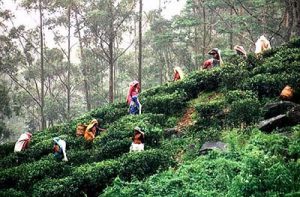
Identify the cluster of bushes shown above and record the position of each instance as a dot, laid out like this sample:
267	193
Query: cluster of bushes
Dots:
277	71
91	179
237	107
257	164
262	166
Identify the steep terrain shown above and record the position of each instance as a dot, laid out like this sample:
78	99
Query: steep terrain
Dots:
221	104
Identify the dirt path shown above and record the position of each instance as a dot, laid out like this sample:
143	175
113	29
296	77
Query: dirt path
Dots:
186	120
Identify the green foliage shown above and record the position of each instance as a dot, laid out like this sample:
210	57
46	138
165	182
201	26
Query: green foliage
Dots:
143	164
255	164
165	103
233	74
92	178
262	175
244	111
275	73
26	174
200	177
258	166
12	193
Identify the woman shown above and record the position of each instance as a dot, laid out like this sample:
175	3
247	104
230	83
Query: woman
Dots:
90	131
137	140
135	106
216	59
178	74
262	44
23	142
240	51
59	149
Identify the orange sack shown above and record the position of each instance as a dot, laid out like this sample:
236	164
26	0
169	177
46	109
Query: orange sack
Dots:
287	93
89	136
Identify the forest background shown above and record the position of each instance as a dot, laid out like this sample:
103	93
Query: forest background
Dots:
115	42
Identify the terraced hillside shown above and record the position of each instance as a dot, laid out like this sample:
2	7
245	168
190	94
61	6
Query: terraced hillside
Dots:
223	104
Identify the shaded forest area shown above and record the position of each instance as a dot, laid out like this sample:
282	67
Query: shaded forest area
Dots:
41	86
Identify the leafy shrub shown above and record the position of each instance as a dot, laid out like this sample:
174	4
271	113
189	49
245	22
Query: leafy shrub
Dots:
90	179
197	178
233	74
244	111
164	103
262	175
113	149
12	193
26	174
48	187
275	144
278	71
294	146
6	149
144	121
110	113
210	114
143	164
236	95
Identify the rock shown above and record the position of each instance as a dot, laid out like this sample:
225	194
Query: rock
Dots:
275	109
169	132
273	123
208	146
294	115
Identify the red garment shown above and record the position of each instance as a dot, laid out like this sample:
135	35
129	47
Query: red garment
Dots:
208	64
176	76
133	91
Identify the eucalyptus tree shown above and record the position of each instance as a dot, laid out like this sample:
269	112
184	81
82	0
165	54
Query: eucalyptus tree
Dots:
106	20
59	22
39	5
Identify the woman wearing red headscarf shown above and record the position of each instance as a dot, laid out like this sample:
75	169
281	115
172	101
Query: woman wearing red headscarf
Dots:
216	59
135	106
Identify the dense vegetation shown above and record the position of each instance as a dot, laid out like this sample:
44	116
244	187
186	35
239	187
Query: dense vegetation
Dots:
228	103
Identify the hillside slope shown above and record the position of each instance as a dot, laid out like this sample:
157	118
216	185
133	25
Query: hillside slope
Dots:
227	104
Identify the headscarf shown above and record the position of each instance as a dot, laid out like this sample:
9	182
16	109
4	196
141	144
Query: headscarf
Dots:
218	51
62	144
262	44
130	90
22	142
180	72
240	49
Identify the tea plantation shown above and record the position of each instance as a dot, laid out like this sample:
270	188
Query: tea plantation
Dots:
228	105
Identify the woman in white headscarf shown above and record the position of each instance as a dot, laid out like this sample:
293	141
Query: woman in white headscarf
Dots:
262	44
23	142
59	149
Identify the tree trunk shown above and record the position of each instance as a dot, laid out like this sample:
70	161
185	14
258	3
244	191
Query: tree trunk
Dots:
196	42
43	122
231	29
167	65
111	55
140	43
69	66
204	33
83	64
161	73
289	19
297	17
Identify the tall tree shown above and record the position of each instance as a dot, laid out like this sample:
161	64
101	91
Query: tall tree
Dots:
106	20
140	43
42	94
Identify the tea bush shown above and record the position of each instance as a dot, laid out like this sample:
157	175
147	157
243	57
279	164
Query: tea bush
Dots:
92	178
165	103
26	174
255	164
12	193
